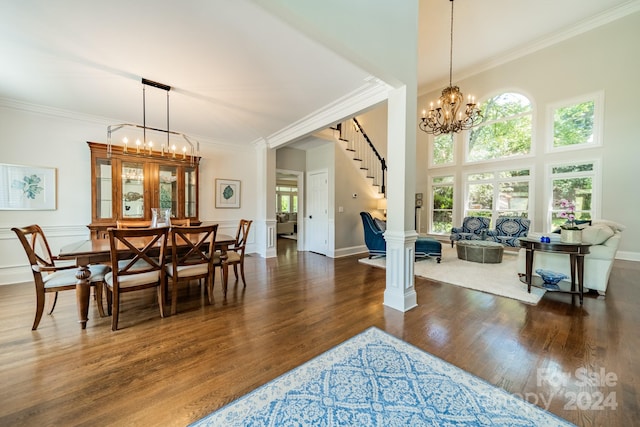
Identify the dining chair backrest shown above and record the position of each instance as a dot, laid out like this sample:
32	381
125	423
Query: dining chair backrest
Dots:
183	222
36	246
130	223
145	250
241	235
192	246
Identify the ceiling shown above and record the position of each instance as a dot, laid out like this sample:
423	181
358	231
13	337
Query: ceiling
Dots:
238	73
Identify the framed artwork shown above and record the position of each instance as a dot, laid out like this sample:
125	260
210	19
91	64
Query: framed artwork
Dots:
227	193
27	188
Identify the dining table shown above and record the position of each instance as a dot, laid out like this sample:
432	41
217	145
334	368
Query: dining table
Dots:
98	251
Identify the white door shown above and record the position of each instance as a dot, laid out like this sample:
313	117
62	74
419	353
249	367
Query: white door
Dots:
318	216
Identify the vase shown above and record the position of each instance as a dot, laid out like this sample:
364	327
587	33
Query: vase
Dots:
160	217
570	236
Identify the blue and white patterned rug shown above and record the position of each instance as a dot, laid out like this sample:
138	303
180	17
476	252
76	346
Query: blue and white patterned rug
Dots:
375	379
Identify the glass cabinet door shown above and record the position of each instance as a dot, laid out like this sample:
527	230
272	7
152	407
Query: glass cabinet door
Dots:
168	191
133	203
103	188
190	192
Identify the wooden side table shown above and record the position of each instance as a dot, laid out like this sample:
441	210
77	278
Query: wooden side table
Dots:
576	252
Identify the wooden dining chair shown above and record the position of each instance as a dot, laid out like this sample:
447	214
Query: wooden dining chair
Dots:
50	278
181	222
137	262
192	257
235	254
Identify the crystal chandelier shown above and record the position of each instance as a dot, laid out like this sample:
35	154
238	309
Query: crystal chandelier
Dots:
447	116
144	145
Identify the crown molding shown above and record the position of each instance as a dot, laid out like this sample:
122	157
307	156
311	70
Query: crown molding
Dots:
373	92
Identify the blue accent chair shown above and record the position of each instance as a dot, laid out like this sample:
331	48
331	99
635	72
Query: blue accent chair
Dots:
509	229
377	246
473	228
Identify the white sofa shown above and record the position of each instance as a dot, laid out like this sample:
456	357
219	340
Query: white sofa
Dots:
286	223
604	237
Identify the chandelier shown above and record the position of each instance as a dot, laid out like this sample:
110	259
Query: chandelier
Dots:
447	116
145	146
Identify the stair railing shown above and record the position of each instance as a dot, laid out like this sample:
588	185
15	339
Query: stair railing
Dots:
358	142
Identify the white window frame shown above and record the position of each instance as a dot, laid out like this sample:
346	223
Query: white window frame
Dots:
496	181
532	147
598	119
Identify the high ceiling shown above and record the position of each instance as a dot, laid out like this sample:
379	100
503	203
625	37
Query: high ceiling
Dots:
238	72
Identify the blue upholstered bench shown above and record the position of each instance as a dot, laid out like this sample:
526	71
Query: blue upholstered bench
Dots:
428	247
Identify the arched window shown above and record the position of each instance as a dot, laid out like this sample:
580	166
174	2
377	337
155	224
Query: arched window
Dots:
505	131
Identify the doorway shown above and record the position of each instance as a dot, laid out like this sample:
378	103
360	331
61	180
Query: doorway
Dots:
290	207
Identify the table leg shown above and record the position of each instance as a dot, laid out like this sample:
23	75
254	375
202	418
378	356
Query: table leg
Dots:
529	268
83	293
580	262
572	261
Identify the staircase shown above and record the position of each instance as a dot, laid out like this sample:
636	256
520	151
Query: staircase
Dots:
355	140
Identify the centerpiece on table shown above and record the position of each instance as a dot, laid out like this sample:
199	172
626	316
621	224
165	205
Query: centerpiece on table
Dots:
569	231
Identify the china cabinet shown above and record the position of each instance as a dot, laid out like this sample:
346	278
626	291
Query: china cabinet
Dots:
127	186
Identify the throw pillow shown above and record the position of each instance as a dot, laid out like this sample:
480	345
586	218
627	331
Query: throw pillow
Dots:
614	225
382	225
596	234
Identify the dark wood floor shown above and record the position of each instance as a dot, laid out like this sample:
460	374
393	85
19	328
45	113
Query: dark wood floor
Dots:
176	370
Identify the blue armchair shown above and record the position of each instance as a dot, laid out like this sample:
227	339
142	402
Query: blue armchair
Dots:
509	229
473	228
374	239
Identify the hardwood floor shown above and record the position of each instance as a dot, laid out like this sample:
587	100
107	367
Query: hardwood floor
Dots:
175	370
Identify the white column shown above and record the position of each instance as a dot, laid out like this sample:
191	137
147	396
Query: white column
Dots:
265	222
400	236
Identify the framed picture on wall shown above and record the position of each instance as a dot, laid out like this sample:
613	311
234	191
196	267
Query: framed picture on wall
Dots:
27	188
227	193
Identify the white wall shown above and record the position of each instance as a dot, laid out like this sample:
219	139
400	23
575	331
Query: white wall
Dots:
39	136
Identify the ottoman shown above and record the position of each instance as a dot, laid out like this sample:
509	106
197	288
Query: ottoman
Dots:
428	247
482	251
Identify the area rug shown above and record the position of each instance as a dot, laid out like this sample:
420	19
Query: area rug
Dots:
498	279
375	379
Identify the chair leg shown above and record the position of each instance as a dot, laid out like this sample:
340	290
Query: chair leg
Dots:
116	310
174	296
109	300
235	271
211	280
98	293
52	303
161	300
40	297
242	274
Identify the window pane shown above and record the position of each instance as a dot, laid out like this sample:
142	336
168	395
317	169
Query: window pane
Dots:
513	199
103	188
442	221
480	176
169	189
443	197
577	190
506	130
586	167
481	197
443	149
501	139
132	190
573	125
443	179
